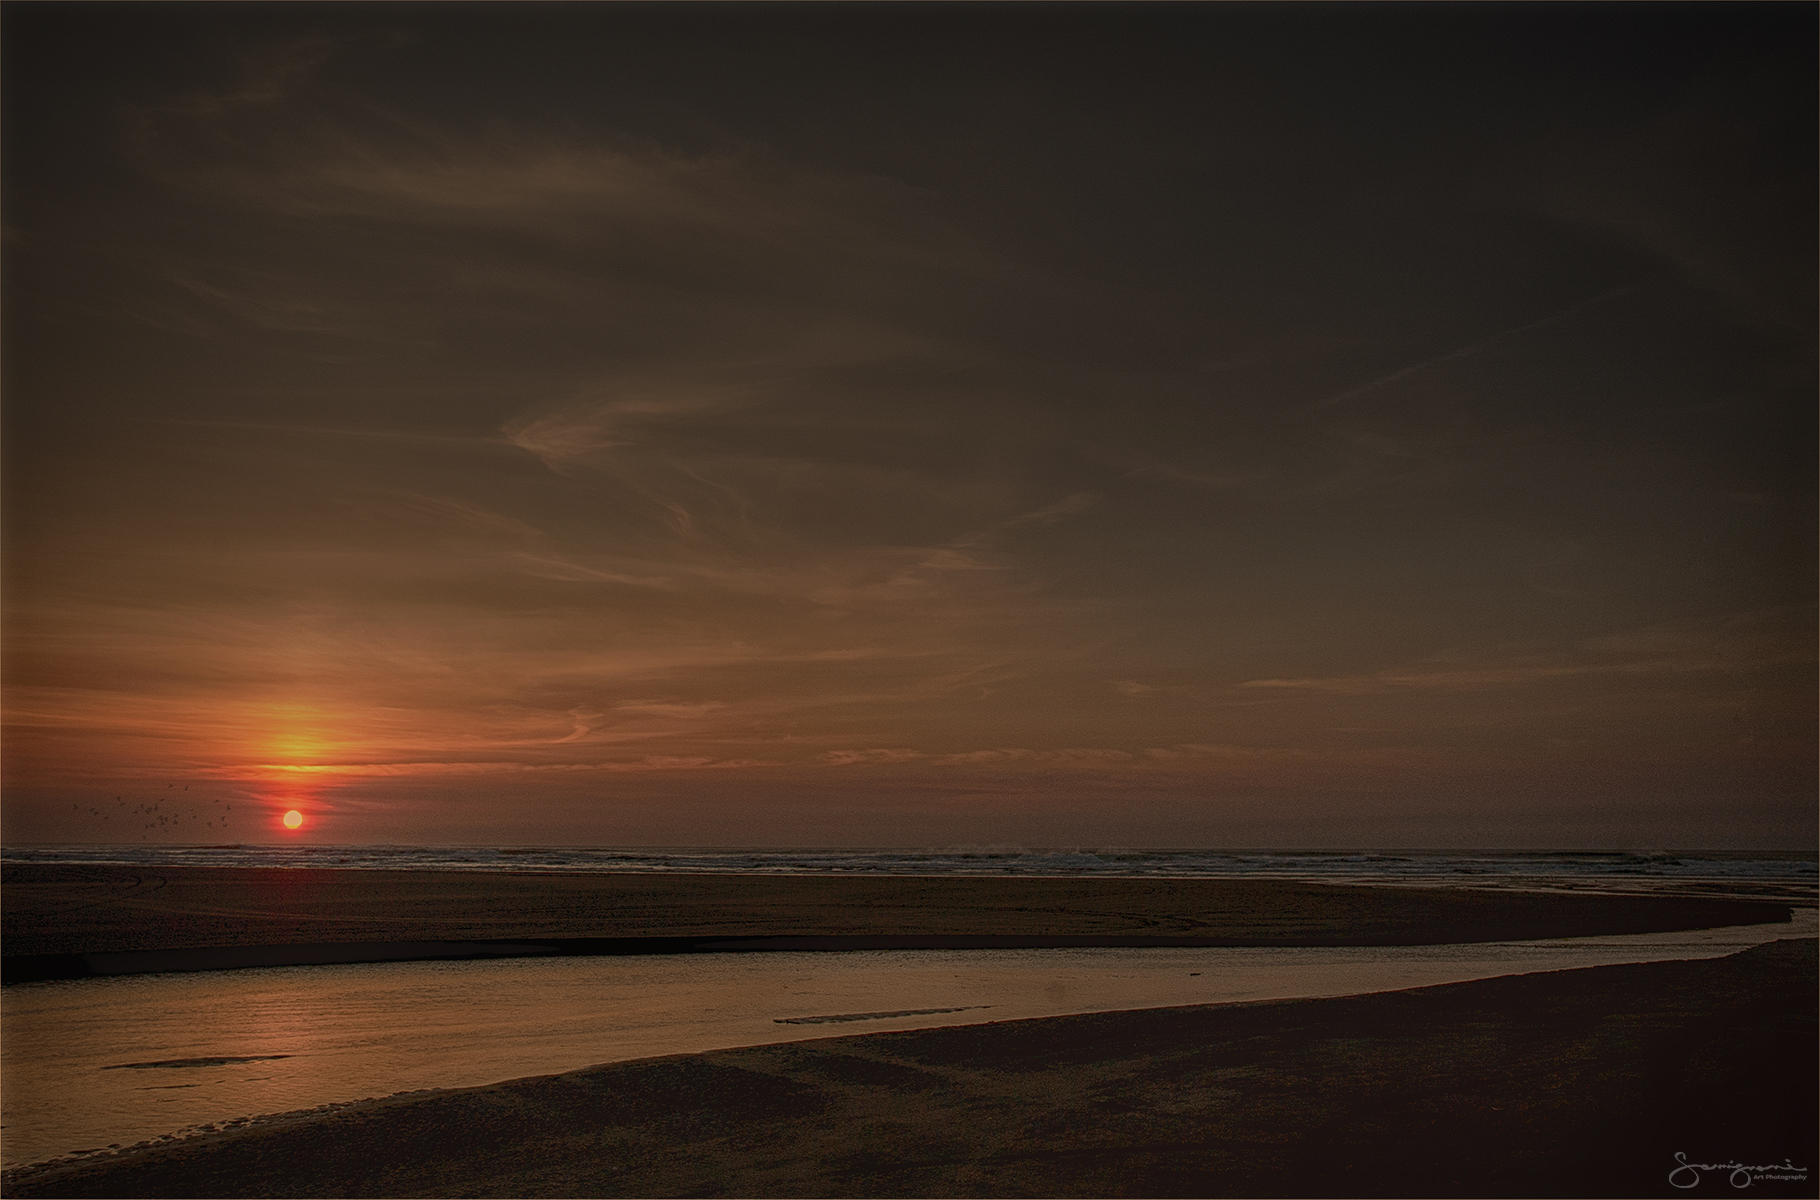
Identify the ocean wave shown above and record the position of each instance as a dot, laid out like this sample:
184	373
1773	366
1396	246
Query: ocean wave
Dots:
1362	865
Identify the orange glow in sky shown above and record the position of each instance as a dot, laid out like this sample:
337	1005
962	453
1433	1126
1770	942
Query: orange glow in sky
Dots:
1228	504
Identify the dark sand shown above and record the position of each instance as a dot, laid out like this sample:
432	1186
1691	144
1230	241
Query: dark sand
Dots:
67	921
1573	1083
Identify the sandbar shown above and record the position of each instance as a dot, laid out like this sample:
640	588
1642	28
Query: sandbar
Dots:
1587	1082
67	921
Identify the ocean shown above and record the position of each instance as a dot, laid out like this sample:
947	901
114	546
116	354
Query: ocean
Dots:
1473	867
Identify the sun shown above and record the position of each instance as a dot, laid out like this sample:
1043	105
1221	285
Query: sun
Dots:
293	819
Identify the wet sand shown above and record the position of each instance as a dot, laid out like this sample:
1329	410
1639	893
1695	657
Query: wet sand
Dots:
63	921
1575	1083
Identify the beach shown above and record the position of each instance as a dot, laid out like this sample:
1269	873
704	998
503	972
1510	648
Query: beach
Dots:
1565	1082
70	920
1577	1083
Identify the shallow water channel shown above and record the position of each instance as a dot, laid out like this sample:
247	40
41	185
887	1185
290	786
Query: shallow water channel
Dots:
89	1064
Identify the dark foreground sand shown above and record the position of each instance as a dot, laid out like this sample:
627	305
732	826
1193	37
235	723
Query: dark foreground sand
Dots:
70	921
1574	1083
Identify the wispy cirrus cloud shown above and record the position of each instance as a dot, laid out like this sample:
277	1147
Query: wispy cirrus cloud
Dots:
1734	643
1476	347
642	416
875	756
264	74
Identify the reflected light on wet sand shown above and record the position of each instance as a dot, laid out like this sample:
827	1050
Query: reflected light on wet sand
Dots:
214	1046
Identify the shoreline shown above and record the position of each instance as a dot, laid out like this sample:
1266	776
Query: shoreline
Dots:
618	1010
21	969
72	921
1577	1082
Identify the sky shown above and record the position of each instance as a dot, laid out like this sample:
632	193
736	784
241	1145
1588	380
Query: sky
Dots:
1261	425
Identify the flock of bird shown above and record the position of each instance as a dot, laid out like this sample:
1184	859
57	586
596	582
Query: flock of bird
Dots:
155	818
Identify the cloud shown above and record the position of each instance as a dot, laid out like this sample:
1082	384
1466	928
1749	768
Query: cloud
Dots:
417	438
1137	689
1443	680
1477	347
404	769
283	150
646	413
684	710
1698	190
559	438
1059	758
1205	752
473	518
969	758
1048	514
871	757
1201	480
267	74
585	722
1735	643
552	566
1784	634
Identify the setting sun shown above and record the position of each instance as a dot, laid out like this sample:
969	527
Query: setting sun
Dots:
293	819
